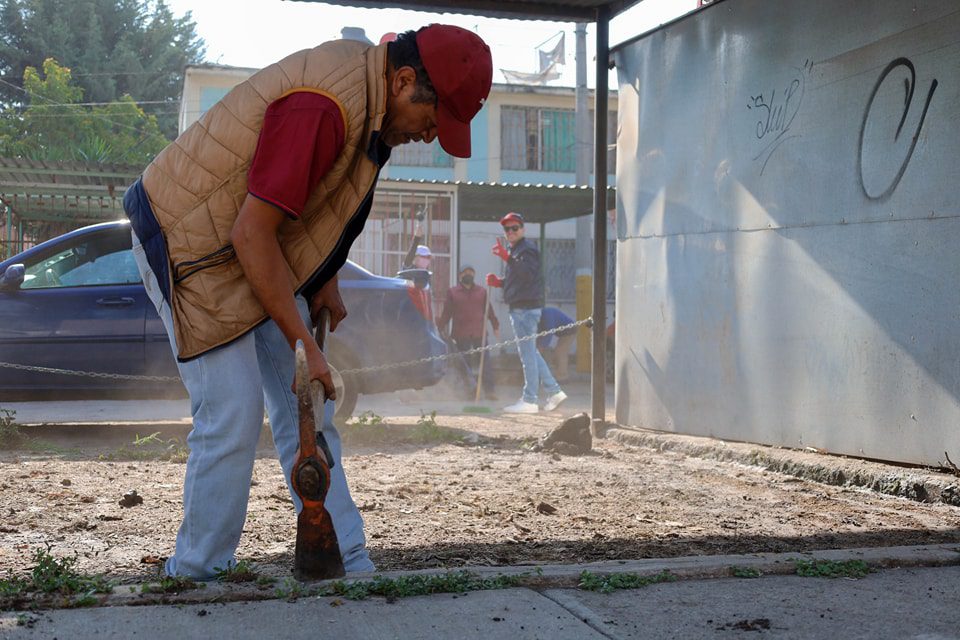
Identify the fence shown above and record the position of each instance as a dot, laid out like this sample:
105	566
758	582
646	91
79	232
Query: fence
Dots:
560	269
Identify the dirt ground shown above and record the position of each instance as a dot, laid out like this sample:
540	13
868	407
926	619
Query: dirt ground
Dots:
469	491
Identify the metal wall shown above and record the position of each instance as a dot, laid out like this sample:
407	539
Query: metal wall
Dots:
788	191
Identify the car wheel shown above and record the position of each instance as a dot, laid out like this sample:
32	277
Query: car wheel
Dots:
340	358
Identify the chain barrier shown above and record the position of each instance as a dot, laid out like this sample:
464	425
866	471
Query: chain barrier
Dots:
88	374
381	367
455	354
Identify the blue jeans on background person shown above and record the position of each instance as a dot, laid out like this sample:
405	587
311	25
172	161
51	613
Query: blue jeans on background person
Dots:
535	369
228	388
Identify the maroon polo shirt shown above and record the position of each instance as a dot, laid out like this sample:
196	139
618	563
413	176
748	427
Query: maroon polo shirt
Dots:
302	136
465	307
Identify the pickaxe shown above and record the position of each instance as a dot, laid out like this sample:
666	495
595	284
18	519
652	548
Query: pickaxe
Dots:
317	554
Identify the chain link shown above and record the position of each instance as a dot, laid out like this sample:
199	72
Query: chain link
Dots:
454	354
89	374
381	367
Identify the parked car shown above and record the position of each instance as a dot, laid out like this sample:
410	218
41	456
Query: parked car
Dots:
76	302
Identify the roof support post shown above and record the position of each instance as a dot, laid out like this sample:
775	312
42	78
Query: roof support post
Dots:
598	374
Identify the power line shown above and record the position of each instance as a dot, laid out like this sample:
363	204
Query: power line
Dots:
113	102
85	115
58	104
115	73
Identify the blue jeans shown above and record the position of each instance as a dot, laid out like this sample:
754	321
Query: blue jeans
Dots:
535	369
228	387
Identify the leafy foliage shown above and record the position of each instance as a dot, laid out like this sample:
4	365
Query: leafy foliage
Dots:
9	429
609	583
116	48
417	585
237	572
51	124
428	431
171	584
745	572
52	576
832	569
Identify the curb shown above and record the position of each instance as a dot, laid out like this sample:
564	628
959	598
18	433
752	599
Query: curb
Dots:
917	485
547	577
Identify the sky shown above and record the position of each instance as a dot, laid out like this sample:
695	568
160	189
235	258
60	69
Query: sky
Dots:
255	33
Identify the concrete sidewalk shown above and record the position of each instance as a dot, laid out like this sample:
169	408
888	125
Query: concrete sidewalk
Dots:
914	592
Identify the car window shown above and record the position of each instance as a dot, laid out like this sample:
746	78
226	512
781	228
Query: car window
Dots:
100	260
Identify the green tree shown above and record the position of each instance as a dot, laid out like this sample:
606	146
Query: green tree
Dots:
51	124
114	47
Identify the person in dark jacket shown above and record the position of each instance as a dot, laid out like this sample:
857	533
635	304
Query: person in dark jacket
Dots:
555	347
523	291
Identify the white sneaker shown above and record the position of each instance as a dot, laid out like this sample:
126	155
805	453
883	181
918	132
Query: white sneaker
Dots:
522	407
554	401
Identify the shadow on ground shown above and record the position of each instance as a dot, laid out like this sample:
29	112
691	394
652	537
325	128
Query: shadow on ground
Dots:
167	441
535	552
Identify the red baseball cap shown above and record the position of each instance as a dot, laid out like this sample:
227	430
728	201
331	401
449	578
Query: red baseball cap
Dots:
511	217
461	70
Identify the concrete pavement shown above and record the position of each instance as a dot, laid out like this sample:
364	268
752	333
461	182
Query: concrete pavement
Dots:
914	592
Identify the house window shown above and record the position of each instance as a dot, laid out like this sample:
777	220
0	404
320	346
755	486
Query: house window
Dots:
419	154
210	96
537	139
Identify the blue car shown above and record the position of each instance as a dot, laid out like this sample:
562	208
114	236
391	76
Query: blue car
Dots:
76	303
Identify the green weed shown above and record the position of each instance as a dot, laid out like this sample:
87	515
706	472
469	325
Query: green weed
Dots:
416	585
832	569
53	576
290	590
86	600
745	572
368	419
427	430
616	581
9	429
151	447
153	438
170	584
367	428
266	581
12	588
237	572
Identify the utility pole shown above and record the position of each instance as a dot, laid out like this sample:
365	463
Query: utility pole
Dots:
584	241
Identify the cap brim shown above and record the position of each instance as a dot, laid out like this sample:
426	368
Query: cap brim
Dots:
454	135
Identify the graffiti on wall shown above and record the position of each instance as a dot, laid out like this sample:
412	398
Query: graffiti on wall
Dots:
775	112
880	187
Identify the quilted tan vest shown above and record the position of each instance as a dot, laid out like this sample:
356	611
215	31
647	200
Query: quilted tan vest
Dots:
197	184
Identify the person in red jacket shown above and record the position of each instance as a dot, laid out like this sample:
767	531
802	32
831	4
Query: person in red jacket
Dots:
464	306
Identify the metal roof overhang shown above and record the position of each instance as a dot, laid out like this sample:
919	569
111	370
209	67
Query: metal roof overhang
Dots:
563	10
61	191
488	201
